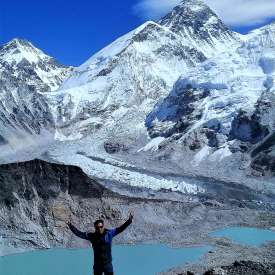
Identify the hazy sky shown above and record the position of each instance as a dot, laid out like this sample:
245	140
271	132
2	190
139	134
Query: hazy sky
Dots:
72	31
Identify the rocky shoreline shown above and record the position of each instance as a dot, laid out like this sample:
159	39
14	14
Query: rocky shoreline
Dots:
228	258
244	267
241	268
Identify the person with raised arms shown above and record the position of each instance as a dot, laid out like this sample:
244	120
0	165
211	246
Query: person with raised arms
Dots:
101	241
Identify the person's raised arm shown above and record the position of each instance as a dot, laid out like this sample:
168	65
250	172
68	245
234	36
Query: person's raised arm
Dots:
121	228
80	234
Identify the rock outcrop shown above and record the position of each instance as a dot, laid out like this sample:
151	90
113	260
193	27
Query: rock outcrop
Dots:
244	268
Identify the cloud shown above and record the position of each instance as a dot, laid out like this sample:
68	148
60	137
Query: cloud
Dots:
154	9
232	12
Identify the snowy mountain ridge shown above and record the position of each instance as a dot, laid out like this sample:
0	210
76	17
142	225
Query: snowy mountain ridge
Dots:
100	63
99	82
20	51
26	73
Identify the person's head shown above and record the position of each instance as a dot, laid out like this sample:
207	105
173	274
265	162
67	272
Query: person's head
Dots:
99	226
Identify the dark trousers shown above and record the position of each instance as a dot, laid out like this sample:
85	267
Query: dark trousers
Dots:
107	269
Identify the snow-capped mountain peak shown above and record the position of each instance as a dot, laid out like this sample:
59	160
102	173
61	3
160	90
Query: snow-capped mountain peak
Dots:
21	55
193	17
102	59
264	35
25	73
18	49
196	22
117	46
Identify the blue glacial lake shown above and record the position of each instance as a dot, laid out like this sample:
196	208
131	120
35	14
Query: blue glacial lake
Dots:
127	259
246	235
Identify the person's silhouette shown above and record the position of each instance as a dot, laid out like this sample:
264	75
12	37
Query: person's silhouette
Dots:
101	241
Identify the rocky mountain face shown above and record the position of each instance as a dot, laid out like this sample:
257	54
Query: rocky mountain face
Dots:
243	267
238	267
25	117
37	198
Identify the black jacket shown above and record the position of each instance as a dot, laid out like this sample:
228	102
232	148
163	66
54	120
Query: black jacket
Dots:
102	243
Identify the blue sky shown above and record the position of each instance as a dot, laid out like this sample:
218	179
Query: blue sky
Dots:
72	31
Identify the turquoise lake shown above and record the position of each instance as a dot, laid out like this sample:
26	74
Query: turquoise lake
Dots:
246	235
127	260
